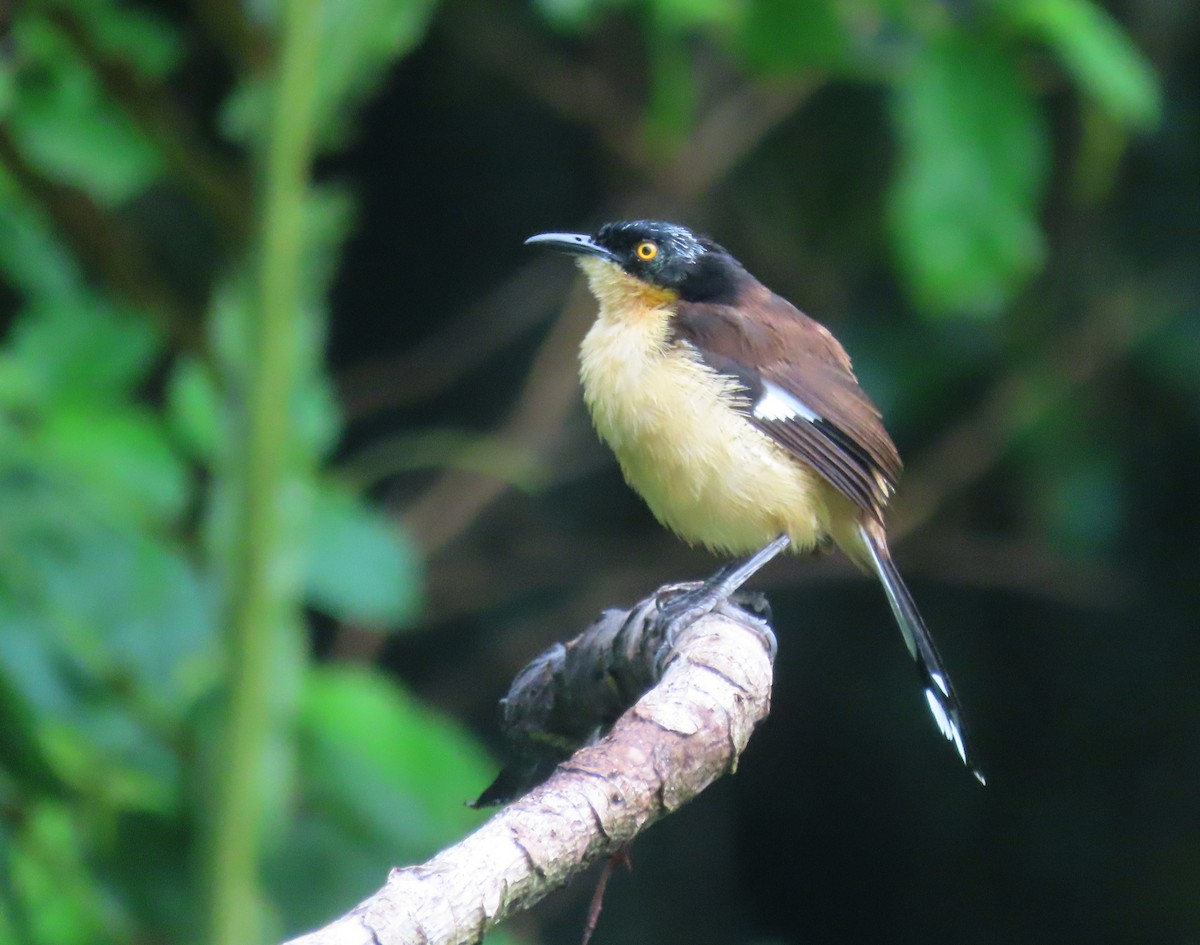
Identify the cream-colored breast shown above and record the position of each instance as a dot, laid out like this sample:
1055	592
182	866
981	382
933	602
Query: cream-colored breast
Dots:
705	472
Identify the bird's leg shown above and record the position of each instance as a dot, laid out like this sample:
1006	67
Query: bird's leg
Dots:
690	605
620	858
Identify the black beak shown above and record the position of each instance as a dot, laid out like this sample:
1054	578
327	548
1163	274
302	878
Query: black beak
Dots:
576	244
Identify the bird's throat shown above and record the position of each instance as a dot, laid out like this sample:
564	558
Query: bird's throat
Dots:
622	295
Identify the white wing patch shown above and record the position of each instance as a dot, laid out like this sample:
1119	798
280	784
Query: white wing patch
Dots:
777	404
947	725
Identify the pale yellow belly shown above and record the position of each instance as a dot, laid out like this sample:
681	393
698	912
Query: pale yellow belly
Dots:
705	472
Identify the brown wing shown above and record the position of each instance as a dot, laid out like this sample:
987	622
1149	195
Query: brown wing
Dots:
800	389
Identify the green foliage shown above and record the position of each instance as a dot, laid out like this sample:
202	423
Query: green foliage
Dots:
35	262
58	900
971	170
134	35
671	105
64	122
361	567
972	155
124	475
359	40
778	36
112	656
89	490
386	781
1098	54
568	14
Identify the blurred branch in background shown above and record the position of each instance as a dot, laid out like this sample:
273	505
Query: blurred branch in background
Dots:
1118	321
264	595
605	102
428	368
535	423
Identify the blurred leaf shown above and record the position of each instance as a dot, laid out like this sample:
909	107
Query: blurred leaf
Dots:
785	37
68	127
360	39
60	901
1098	53
147	614
8	900
423	760
971	170
194	408
122	456
329	213
671	108
113	762
21	754
672	16
134	34
149	872
83	350
362	565
109	637
18	391
384	781
571	14
677	15
7	88
33	259
90	732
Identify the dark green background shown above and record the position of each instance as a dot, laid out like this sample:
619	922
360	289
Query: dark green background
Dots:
993	205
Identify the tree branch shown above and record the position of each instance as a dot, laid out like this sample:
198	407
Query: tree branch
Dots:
678	738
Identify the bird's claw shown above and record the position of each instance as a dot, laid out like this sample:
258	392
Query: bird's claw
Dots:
754	613
670	595
681	605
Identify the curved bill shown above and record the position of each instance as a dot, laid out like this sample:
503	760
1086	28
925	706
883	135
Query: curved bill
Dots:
576	244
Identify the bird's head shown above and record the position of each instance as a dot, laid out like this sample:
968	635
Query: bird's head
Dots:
662	257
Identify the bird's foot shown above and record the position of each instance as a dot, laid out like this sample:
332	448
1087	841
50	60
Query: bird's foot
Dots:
681	605
753	605
694	601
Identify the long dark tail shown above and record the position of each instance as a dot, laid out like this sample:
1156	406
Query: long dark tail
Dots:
939	692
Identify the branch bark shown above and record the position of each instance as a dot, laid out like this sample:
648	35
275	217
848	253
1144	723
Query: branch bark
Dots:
679	737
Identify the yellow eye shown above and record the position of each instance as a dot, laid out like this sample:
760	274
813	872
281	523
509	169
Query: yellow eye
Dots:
646	251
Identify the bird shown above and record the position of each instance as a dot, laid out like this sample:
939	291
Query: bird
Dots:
740	422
